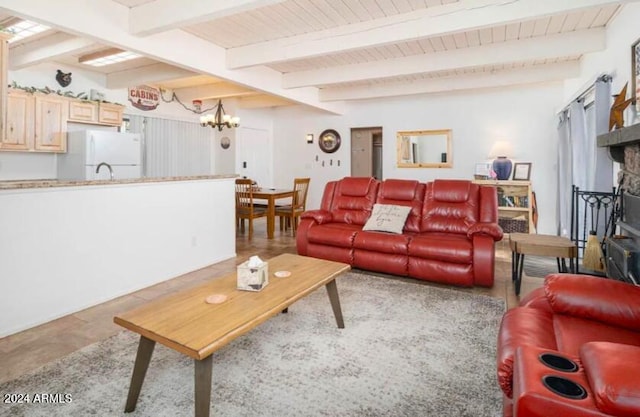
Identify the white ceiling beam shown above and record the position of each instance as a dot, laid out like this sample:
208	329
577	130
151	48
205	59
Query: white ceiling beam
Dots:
531	75
107	22
49	48
161	15
457	17
261	101
212	91
549	47
154	73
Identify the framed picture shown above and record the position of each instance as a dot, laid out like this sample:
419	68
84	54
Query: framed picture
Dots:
521	171
482	171
635	74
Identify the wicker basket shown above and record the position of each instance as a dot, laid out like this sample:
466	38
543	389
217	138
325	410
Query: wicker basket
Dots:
513	225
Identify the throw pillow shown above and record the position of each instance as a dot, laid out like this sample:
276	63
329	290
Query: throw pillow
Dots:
387	218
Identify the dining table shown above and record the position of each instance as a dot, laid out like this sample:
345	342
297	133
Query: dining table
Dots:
271	195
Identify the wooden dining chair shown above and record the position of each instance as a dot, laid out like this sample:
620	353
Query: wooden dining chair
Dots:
290	213
245	209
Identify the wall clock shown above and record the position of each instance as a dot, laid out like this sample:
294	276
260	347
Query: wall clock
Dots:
225	142
329	141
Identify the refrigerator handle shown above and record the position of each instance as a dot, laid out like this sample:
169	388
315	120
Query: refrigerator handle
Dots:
92	150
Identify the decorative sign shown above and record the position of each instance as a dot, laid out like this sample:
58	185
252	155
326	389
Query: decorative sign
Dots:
144	97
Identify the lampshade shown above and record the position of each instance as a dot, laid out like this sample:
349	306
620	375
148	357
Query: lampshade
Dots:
501	148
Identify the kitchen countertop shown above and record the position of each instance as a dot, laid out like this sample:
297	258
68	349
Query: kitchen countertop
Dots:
50	183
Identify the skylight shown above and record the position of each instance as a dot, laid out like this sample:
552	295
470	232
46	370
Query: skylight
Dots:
111	59
24	29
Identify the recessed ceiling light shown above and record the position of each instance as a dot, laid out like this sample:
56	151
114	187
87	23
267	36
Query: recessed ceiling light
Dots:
24	29
108	57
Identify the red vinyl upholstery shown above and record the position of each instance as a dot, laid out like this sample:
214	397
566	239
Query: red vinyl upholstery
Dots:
595	321
448	237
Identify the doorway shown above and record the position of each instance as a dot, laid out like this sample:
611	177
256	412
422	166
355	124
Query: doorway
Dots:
366	152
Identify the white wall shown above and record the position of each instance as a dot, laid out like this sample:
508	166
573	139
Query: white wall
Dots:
67	248
525	116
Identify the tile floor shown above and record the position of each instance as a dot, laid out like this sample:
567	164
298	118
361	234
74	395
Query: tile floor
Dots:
32	348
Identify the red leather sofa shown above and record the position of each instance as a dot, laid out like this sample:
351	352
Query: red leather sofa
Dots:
591	321
448	237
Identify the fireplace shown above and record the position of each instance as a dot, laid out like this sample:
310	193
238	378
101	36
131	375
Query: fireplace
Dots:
623	249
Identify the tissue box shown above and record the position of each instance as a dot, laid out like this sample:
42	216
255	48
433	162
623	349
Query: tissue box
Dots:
252	278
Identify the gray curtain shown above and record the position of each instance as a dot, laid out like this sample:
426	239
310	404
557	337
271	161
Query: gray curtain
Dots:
565	176
580	161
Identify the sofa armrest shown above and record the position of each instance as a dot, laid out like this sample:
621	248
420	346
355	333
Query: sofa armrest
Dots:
491	229
594	298
615	386
319	216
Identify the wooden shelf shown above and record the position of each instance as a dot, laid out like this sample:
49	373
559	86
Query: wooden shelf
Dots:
515	200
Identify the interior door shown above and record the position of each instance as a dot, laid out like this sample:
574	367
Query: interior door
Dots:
366	152
253	155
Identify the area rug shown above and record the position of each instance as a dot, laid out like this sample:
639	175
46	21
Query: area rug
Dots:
539	266
408	350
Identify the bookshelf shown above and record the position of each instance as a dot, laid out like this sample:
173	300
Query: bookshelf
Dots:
515	205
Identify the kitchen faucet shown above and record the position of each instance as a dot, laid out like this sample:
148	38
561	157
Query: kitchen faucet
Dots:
107	165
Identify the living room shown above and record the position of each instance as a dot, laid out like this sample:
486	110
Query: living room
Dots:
523	112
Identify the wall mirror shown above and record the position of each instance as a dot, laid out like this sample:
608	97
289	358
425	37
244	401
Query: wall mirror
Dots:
424	149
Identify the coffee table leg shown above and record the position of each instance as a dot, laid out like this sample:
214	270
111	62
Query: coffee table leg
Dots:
143	357
520	267
332	290
203	386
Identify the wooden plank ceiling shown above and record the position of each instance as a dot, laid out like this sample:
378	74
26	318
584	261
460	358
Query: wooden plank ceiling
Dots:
324	52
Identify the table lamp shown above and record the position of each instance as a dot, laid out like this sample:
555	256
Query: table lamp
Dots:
502	165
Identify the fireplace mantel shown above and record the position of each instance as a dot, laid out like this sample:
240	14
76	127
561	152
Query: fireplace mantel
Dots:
618	139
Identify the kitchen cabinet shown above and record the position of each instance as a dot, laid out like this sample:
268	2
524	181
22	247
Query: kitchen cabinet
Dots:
96	113
35	122
51	123
515	205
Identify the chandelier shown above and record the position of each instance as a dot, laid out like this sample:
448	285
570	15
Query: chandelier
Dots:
220	119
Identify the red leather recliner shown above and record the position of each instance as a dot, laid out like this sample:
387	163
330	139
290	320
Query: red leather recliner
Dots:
591	321
448	237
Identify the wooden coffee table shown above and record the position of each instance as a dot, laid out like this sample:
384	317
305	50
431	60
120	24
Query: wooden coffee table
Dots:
187	324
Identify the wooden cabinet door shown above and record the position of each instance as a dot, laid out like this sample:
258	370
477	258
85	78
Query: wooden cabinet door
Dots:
83	111
110	114
19	123
51	124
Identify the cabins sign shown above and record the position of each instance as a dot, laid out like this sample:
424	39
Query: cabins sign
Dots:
144	97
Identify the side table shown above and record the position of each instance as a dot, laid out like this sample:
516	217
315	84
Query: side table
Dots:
522	244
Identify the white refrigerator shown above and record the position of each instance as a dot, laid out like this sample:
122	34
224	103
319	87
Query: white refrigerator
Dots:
86	149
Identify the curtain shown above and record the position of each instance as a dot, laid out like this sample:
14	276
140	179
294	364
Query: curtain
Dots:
580	161
565	176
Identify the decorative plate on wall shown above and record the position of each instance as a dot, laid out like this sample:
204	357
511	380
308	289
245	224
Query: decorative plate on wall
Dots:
225	142
329	141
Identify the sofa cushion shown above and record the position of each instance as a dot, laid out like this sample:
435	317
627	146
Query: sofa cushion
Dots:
405	193
616	388
333	234
444	247
452	210
382	242
451	191
387	218
353	200
573	332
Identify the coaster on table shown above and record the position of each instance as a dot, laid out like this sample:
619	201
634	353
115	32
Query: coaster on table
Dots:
282	274
216	299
